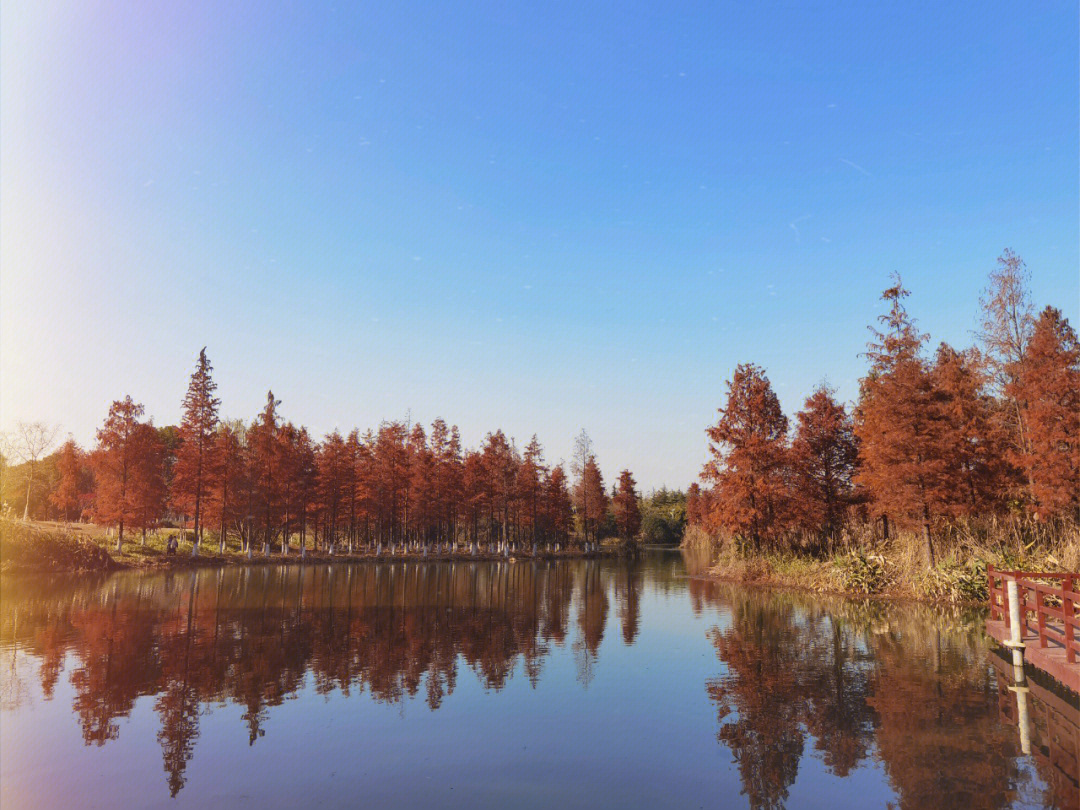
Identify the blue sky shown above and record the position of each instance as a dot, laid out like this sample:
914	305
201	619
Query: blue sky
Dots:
533	218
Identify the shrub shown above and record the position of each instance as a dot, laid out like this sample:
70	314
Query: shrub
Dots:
861	572
954	582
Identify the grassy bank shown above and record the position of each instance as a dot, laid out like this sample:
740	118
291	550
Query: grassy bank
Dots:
894	568
49	546
27	547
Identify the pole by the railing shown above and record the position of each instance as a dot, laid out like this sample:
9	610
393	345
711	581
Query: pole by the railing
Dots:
1015	642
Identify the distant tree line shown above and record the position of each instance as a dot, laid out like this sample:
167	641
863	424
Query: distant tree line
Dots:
269	484
991	431
663	517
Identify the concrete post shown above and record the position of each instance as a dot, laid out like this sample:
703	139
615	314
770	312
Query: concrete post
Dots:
1015	627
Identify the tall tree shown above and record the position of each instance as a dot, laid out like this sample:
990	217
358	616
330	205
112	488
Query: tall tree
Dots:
583	450
116	463
227	471
475	494
391	477
1047	385
625	505
332	464
748	445
499	469
200	418
973	443
900	426
697	507
592	500
530	486
307	482
66	496
265	459
147	489
558	507
421	484
823	456
447	495
291	471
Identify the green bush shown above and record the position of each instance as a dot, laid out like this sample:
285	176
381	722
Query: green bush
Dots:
954	582
862	573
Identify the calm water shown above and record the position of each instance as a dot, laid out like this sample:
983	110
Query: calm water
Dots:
552	684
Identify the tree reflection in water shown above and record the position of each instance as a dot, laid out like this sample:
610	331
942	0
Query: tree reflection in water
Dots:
252	636
905	685
909	692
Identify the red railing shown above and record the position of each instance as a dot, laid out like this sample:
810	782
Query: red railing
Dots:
1048	610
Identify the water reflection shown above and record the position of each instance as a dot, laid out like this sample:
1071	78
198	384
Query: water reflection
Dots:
906	685
1047	726
251	636
908	701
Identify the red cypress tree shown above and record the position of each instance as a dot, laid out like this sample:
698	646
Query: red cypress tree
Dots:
147	486
67	497
590	499
696	506
530	482
307	482
973	443
447	493
200	418
626	508
392	479
474	490
558	508
331	463
264	453
900	425
366	486
291	459
823	456
228	474
1046	384
116	464
748	445
421	484
499	469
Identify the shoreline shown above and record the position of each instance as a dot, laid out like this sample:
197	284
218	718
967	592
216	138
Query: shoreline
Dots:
37	551
880	596
182	561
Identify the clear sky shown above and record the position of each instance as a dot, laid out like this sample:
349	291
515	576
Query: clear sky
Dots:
539	217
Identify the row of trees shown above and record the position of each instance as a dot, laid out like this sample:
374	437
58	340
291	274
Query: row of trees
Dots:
991	430
400	486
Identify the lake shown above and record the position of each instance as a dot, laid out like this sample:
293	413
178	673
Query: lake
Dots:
560	683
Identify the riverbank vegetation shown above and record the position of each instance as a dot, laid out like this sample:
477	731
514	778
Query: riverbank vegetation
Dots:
947	462
29	547
267	485
663	517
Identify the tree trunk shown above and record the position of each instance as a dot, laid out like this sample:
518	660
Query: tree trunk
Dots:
29	483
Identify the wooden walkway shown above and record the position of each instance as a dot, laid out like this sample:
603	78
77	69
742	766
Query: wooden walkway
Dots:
1049	610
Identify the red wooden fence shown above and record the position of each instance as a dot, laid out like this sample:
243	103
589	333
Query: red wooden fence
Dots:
1048	610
